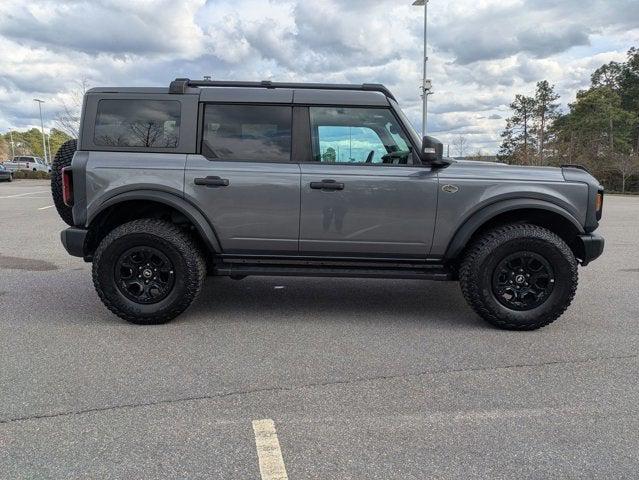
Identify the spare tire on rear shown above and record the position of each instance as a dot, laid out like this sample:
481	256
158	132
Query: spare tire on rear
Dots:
61	160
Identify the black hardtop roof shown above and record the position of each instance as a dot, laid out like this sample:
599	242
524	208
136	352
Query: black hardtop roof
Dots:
182	85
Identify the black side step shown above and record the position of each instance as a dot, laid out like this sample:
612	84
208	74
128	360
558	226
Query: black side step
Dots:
434	272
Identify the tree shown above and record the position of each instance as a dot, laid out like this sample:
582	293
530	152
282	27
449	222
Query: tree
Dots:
626	165
546	112
329	156
518	143
68	120
460	143
29	142
597	131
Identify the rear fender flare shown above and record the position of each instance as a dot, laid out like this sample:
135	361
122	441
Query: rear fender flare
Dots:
199	221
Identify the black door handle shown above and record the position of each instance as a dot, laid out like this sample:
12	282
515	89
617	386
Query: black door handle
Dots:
327	185
212	182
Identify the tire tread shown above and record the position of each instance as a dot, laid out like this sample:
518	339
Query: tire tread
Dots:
484	246
183	242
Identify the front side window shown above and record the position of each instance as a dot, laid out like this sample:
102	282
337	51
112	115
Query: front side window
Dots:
249	133
358	136
137	123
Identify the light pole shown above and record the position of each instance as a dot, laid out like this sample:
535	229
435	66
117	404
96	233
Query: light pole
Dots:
49	146
13	148
426	83
44	142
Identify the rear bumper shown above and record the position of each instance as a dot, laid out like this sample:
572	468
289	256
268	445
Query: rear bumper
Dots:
592	247
73	240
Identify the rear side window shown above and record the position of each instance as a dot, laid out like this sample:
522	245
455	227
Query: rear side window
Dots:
253	133
137	123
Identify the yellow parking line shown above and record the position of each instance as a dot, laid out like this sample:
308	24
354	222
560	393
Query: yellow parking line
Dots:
268	450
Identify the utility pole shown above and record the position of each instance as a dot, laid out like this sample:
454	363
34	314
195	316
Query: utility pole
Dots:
44	142
426	83
13	148
49	146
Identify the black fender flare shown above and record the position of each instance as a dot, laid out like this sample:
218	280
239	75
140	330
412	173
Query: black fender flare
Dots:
487	213
197	218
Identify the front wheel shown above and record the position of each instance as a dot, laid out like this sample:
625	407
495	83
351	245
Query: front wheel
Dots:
148	271
519	277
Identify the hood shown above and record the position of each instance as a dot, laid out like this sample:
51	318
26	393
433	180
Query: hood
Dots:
500	171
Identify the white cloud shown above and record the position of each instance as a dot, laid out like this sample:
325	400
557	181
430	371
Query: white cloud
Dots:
482	51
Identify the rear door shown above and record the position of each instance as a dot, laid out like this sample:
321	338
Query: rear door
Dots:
364	191
244	181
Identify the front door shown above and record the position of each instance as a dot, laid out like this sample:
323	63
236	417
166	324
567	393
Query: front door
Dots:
365	193
244	181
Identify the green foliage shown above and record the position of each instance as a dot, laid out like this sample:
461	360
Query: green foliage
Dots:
600	129
518	140
29	142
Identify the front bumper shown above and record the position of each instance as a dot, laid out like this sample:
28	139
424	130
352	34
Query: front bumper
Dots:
592	246
73	240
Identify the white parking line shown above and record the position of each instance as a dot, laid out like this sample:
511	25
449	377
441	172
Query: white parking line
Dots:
268	450
47	207
24	194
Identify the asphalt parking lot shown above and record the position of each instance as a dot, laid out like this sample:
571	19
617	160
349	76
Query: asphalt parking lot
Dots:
362	379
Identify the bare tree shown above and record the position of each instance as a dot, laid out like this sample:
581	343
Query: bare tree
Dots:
460	143
626	166
69	119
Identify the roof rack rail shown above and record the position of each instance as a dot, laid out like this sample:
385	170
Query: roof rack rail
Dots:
180	85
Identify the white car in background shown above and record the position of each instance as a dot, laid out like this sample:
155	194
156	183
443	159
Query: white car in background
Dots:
24	162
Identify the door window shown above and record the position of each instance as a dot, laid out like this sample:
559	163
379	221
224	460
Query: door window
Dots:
358	136
249	133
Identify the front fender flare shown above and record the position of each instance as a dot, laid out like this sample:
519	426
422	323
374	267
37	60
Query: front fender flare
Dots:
196	217
487	213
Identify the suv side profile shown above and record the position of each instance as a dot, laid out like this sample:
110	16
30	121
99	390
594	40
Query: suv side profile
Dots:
168	185
35	164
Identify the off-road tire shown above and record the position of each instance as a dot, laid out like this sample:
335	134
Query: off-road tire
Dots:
62	159
483	256
178	246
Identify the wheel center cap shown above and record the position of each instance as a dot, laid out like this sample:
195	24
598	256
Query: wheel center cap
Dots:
147	273
520	279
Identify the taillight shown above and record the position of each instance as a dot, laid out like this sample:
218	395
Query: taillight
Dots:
67	186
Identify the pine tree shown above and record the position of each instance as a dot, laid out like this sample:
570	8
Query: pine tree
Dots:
546	112
518	142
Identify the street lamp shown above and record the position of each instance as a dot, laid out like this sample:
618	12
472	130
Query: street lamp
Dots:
44	143
426	83
13	148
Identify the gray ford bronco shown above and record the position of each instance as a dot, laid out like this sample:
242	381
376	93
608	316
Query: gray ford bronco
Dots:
168	185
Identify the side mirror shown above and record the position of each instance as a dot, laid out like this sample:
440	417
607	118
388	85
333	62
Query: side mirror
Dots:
433	152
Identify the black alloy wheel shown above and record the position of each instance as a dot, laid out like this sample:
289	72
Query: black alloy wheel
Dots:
144	275
523	281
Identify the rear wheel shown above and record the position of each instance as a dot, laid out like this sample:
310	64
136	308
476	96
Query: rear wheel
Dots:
62	159
519	277
148	271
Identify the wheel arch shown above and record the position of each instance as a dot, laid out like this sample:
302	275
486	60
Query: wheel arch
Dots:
538	212
148	203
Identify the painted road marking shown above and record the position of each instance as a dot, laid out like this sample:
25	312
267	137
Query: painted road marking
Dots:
44	208
268	450
24	194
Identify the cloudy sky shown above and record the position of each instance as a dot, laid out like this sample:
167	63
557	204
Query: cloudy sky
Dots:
482	52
